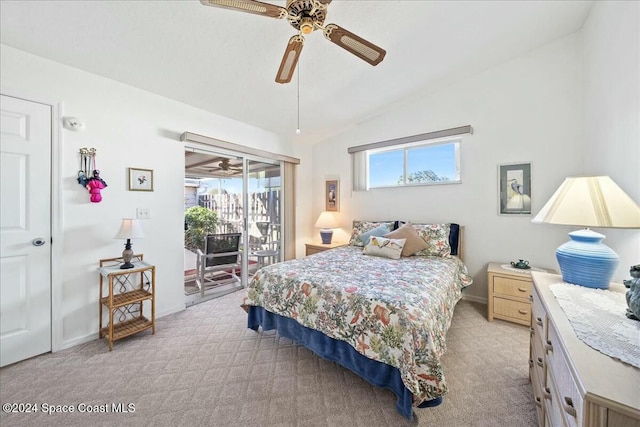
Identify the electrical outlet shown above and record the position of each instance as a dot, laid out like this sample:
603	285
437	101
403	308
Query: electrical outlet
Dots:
143	213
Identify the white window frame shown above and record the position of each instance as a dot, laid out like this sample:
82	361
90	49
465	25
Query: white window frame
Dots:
414	145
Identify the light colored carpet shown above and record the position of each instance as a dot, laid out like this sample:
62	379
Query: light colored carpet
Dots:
204	367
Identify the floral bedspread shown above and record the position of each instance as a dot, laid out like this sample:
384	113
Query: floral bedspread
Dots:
393	311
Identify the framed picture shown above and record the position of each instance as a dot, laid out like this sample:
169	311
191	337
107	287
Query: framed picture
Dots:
514	183
332	198
140	179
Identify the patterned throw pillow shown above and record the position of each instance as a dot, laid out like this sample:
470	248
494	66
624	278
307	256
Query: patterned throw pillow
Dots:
379	231
414	242
360	227
383	247
437	237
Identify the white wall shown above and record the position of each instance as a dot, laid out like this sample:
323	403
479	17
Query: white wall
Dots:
612	110
571	107
525	110
129	128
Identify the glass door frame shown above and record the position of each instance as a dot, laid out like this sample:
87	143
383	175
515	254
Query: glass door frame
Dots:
246	162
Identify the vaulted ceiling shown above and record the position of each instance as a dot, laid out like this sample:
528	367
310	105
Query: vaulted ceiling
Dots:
225	61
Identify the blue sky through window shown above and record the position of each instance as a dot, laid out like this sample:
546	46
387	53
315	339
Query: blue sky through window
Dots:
385	168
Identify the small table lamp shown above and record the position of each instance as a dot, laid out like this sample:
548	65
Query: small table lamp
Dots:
129	229
326	222
593	201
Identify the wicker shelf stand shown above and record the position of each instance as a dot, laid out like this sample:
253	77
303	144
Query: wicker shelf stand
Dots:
128	296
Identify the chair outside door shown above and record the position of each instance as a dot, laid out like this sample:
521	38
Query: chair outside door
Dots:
219	263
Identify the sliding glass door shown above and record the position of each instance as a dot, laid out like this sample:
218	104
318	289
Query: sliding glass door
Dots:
263	198
245	194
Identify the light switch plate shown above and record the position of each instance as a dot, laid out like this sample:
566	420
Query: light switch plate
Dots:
143	213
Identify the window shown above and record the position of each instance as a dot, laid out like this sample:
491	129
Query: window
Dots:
414	164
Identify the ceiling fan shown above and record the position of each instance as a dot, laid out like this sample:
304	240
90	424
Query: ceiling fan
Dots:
225	168
305	16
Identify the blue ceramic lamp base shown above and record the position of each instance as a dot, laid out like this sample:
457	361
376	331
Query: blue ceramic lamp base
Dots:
586	261
326	235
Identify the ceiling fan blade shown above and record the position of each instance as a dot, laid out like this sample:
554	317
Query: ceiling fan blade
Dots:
360	47
290	59
249	6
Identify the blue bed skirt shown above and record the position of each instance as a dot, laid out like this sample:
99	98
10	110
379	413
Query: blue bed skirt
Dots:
376	373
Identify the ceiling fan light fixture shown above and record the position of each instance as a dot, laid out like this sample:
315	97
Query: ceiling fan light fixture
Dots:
306	25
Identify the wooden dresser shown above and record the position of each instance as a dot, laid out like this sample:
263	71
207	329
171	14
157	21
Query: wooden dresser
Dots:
574	384
508	294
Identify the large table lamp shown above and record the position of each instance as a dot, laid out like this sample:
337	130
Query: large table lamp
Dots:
326	222
593	201
129	229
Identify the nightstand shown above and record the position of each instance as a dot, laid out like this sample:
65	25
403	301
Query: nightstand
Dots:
508	293
314	248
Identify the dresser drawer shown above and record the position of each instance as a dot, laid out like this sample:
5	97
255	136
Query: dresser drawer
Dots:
537	392
570	400
511	287
538	317
510	308
552	407
538	360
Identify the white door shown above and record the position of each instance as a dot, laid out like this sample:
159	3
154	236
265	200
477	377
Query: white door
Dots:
25	227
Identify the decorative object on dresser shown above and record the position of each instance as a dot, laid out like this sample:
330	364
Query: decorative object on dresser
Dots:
633	294
574	384
129	229
314	248
124	294
508	290
592	201
326	222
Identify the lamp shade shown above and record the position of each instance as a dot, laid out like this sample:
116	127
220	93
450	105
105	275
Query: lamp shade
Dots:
594	201
130	229
590	201
326	220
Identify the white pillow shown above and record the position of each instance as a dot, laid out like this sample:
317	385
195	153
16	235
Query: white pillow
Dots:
383	247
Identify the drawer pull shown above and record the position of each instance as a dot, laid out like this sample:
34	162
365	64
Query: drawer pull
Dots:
546	392
568	406
531	363
531	298
539	361
522	289
538	321
538	402
532	331
521	311
548	346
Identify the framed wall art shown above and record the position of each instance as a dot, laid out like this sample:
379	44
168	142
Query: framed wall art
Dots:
332	196
140	179
514	183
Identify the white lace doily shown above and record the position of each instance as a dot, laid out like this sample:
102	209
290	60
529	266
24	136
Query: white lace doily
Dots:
521	270
598	319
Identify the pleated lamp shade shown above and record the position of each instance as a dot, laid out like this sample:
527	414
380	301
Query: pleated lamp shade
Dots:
594	201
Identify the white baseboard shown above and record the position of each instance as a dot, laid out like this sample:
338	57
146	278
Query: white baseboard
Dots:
94	335
474	298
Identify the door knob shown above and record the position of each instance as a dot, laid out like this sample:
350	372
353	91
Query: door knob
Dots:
38	241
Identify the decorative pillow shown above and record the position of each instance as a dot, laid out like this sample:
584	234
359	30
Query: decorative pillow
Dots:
383	247
379	231
437	237
360	227
413	242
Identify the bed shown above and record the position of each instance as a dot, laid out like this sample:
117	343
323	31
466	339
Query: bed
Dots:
384	319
